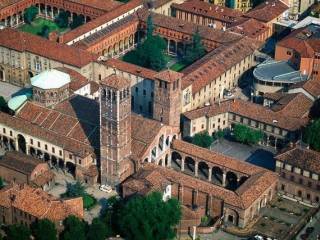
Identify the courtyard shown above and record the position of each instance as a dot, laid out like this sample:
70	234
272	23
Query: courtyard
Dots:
258	155
37	25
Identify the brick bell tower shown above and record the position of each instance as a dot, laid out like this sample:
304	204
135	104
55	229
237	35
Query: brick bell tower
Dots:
167	99
115	129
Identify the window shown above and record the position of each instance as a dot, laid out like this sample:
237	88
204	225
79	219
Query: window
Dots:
60	152
282	187
309	184
46	147
11	133
289	53
308	196
70	156
53	150
4	130
292	178
202	126
80	161
300	181
317	199
39	144
31	141
299	193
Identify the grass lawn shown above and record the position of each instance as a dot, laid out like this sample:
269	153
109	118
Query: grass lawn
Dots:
36	26
178	66
88	201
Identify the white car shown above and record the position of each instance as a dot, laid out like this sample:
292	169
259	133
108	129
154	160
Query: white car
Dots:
105	188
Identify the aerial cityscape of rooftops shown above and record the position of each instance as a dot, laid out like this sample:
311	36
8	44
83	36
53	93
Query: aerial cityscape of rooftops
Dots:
159	119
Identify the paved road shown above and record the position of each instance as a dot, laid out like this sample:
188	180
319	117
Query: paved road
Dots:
257	155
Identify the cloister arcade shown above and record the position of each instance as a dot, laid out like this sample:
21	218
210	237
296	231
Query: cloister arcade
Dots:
120	48
206	171
19	143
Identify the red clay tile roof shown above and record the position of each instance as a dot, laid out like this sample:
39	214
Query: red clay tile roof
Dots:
40	204
250	110
168	76
130	68
242	198
116	81
303	158
43	178
312	86
106	5
6	3
25	42
268	10
209	10
77	79
122	9
216	62
179	25
251	27
19	162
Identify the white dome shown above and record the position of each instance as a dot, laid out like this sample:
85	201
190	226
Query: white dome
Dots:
50	79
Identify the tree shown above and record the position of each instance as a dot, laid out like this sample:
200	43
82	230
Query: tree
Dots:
312	135
98	230
149	54
247	135
1	183
75	190
77	21
150	26
45	30
315	110
74	229
62	20
18	232
202	139
30	14
194	51
44	229
149	218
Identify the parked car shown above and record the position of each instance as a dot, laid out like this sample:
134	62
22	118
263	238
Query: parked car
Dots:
106	188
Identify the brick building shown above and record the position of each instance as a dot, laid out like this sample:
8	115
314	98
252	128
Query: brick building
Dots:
299	173
301	49
194	174
22	204
19	168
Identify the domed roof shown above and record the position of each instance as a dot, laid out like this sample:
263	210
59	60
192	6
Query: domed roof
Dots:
15	102
50	79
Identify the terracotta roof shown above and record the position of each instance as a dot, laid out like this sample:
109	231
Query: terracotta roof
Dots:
25	42
43	178
268	10
179	25
293	105
251	27
116	81
274	96
168	76
250	110
312	86
303	158
243	198
303	40
19	162
216	63
122	9
130	68
77	79
40	204
6	3
208	10
105	5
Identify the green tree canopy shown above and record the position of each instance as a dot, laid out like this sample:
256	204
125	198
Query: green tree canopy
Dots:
44	229
202	139
246	135
77	21
74	190
149	54
150	26
312	135
98	230
194	51
45	30
18	232
149	218
315	110
30	14
74	229
62	20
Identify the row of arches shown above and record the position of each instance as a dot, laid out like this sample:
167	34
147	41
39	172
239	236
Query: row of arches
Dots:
120	48
202	170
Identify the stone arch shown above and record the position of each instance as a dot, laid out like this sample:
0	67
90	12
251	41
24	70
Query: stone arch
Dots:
126	43
33	151
22	144
131	40
189	167
176	160
2	75
88	19
104	52
160	162
116	48
166	160
203	170
71	168
146	160
54	160
46	157
172	46
168	141
160	142
121	45
5	142
217	175
231	180
232	216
